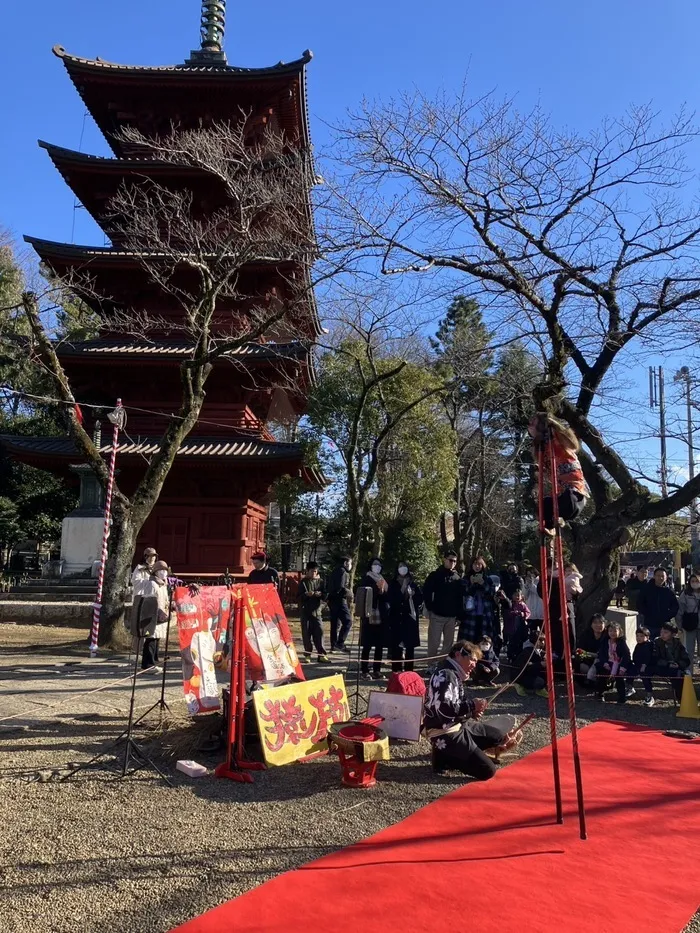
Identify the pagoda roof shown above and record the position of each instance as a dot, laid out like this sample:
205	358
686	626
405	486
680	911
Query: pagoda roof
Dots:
178	347
62	257
75	63
64	158
95	180
236	447
73	252
59	451
111	92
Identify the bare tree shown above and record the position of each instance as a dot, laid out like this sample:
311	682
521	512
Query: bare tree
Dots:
587	245
197	254
373	377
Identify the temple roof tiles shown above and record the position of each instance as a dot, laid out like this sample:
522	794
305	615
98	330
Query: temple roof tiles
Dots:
56	248
98	64
176	346
240	448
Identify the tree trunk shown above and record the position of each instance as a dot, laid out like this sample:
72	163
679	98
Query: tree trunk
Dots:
123	534
596	554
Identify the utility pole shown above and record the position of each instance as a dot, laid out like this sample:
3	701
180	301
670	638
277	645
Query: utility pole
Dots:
657	399
683	375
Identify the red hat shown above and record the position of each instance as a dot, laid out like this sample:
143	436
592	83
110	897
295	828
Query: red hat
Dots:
259	555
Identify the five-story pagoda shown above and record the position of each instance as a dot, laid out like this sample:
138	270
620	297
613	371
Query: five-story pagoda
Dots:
211	512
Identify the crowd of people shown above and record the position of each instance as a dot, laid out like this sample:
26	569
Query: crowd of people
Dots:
501	615
478	623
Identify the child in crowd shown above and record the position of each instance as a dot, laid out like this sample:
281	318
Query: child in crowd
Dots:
643	662
515	615
671	657
613	662
520	634
531	673
487	667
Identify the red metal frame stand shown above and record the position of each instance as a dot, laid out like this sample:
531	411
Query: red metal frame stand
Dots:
566	640
236	766
549	660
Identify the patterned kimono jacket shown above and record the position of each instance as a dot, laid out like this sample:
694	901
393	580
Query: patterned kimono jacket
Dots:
447	703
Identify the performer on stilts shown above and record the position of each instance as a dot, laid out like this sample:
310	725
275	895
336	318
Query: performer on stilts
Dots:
572	486
556	448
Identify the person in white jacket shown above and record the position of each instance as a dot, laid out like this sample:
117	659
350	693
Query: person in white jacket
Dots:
532	600
151	608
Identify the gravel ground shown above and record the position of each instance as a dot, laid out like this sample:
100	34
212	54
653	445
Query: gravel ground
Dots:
96	853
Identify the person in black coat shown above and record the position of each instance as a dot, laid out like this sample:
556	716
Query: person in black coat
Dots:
614	662
657	603
262	571
511	581
405	604
374	625
442	592
311	598
644	661
339	589
620	592
634	586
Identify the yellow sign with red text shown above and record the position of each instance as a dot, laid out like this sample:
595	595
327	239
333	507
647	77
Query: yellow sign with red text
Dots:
293	720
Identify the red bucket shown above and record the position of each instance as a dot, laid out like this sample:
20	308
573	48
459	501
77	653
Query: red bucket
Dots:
357	773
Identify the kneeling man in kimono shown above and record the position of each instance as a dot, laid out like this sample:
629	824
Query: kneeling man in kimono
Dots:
451	718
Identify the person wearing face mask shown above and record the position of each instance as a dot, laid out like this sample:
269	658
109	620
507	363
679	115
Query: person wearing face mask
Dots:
374	623
657	602
405	604
688	615
150	583
339	589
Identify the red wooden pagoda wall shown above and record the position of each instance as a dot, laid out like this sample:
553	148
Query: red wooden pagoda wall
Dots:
197	537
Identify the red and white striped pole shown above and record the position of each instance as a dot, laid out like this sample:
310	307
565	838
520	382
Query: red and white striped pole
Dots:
117	419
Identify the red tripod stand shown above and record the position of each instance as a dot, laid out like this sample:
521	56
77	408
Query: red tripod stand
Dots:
237	766
546	459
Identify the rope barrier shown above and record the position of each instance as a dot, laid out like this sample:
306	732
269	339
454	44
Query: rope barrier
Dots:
73	696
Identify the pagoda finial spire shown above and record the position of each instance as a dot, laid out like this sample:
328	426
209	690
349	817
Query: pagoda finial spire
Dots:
212	28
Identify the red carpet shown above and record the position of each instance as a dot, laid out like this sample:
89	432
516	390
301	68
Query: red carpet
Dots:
489	857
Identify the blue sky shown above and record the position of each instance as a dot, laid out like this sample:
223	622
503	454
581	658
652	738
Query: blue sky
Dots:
580	61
